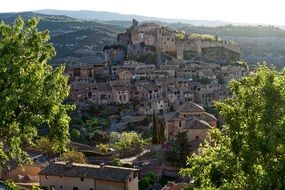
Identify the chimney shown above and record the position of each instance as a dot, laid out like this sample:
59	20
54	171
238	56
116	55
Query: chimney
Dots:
102	165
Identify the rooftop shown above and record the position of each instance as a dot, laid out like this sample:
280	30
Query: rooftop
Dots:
191	107
105	172
194	123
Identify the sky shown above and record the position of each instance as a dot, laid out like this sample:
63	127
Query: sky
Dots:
242	11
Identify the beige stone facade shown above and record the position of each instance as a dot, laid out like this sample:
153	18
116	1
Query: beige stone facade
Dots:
88	177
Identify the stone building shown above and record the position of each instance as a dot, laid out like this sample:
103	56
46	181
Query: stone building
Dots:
74	176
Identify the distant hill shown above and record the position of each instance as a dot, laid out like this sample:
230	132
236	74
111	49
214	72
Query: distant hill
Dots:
75	40
82	41
110	16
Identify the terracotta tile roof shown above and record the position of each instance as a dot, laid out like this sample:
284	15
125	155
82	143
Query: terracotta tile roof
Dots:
194	123
174	117
208	117
190	107
106	172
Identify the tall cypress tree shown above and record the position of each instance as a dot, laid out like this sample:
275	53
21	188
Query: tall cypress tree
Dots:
161	131
158	136
155	129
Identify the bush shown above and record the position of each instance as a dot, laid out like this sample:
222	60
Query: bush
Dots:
76	121
99	137
74	156
102	148
146	181
45	146
75	134
117	162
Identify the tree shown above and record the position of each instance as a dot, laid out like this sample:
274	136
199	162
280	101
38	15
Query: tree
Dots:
155	131
102	148
10	185
249	153
161	126
45	146
31	91
135	103
146	181
181	149
75	134
73	156
100	136
130	140
158	131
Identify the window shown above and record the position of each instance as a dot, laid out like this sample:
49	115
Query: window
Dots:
46	176
91	188
82	179
75	188
60	187
197	137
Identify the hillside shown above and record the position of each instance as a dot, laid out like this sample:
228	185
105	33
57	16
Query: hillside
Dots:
81	40
258	43
75	40
107	16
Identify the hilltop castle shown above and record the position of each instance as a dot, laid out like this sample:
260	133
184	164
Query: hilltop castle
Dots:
179	45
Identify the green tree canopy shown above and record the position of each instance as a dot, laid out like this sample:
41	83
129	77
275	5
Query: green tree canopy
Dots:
31	91
181	149
99	136
75	134
130	140
250	151
74	156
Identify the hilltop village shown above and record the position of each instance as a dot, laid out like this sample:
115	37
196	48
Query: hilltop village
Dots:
175	70
153	70
137	113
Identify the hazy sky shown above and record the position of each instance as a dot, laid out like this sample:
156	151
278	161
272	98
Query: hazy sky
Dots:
244	11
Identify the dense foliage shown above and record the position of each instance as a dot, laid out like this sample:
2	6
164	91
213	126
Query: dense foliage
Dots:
130	140
73	156
147	180
181	149
249	153
31	91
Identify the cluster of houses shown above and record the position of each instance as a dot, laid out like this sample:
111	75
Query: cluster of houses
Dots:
160	89
181	94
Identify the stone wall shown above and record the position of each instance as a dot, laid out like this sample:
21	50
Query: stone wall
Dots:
227	52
